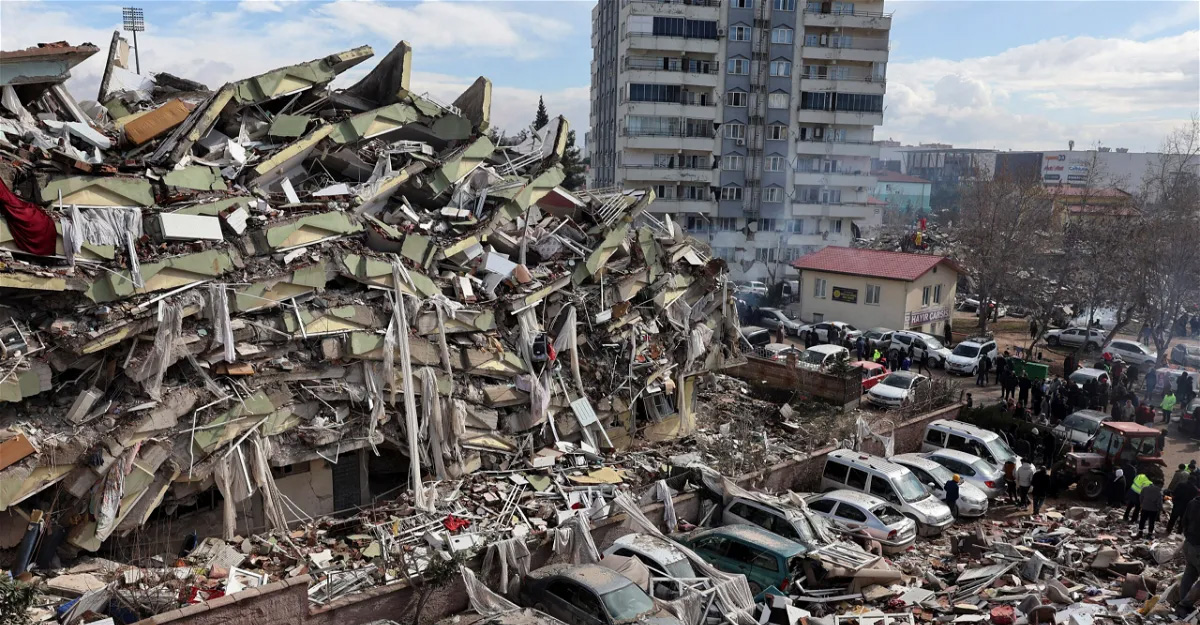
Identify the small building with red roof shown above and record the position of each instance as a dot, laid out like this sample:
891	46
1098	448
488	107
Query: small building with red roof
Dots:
875	288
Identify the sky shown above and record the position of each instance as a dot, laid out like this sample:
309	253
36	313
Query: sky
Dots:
1013	74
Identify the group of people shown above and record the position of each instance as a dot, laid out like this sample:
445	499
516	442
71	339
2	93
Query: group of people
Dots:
1027	483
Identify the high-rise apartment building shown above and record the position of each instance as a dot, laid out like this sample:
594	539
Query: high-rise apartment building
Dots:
752	120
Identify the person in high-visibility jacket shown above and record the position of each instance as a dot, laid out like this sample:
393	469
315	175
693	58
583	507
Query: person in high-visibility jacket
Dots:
1133	502
1167	405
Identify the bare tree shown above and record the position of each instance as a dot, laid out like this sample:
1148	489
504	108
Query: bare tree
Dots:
1005	225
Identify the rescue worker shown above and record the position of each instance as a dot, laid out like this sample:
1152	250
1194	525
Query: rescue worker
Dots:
1152	501
1024	481
1133	502
951	498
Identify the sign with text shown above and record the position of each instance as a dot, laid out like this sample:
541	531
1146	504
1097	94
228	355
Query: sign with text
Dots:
922	317
842	294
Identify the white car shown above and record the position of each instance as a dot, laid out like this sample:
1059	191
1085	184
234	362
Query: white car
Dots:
1080	376
1132	352
661	556
894	390
821	330
972	469
752	286
819	357
972	502
1074	337
966	355
921	344
779	352
1102	318
853	512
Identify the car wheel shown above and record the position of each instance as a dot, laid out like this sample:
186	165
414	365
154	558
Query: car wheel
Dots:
975	372
754	588
1052	341
1091	486
1090	347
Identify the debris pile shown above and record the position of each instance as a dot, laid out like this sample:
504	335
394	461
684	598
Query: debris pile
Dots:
204	291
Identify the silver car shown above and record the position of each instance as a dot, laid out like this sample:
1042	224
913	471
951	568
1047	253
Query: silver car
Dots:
1079	427
773	318
972	469
972	502
853	512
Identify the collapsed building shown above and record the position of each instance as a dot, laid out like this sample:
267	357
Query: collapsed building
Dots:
223	311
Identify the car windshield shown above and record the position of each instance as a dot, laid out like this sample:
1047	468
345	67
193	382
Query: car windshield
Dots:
627	603
1000	451
812	358
888	514
910	488
970	351
681	569
789	315
897	380
939	473
933	343
1080	377
1083	424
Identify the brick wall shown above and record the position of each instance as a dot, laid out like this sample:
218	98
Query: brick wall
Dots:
762	373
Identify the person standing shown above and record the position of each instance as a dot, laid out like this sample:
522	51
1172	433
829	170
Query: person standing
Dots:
1133	501
1167	405
1116	489
1033	328
1181	475
1037	393
1024	481
923	363
1040	487
1024	384
1191	558
1181	496
951	489
947	336
860	347
981	378
1183	388
1010	480
1152	501
1151	383
1000	365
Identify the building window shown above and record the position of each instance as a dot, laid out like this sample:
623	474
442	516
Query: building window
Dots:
725	224
777	100
736	98
819	287
937	294
925	296
776	132
783	35
765	254
836	226
781	68
766	225
785	5
731	192
738	67
795	226
740	4
733	162
773	195
654	93
735	131
873	294
696	223
774	163
739	33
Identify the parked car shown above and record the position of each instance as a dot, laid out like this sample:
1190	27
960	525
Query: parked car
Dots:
972	439
819	357
967	354
1168	377
854	512
895	389
1188	423
779	352
774	318
889	481
972	469
1079	376
1074	337
878	338
663	557
590	594
1132	352
971	304
754	336
750	286
1186	355
1103	318
872	373
921	344
972	502
1080	426
766	559
820	330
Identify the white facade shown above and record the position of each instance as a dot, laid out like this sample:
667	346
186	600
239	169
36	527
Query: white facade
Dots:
759	138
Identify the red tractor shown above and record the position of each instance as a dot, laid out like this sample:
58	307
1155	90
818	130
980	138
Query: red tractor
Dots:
1116	444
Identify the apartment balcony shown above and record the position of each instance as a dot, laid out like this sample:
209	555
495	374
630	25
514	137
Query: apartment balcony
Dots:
669	43
667	109
837	148
839	178
842	118
670	141
869	86
863	49
872	20
649	70
847	210
655	174
680	206
692	9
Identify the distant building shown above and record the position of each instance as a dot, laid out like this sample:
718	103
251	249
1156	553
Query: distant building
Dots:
903	193
1081	205
872	288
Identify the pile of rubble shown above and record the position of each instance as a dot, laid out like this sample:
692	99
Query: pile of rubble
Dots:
201	289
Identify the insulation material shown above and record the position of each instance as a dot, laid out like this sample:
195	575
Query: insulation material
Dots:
162	352
106	501
482	599
511	555
432	401
218	299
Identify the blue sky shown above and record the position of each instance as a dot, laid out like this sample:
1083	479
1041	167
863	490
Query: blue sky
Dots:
1003	74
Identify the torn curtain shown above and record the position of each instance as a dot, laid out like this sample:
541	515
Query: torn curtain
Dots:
32	228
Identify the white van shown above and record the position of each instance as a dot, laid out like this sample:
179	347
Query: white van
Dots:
890	482
819	357
967	438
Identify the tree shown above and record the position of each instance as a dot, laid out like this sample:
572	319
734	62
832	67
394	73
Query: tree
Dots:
572	165
1004	227
542	118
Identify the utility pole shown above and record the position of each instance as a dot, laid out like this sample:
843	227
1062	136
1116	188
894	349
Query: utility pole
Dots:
134	22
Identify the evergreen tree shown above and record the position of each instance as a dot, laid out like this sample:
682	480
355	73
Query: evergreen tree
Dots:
542	117
572	165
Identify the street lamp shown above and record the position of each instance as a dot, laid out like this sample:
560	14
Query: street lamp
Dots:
134	22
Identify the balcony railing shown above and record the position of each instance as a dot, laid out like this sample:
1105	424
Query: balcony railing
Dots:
685	36
664	167
655	64
828	140
840	171
849	43
627	132
866	78
816	7
692	3
626	100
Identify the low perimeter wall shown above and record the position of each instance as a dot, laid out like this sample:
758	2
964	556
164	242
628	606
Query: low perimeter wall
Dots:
286	602
768	375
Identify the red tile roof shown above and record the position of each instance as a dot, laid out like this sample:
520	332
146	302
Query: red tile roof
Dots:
891	176
873	263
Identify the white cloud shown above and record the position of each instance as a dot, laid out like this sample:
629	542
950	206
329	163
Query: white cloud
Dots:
1115	91
1165	15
